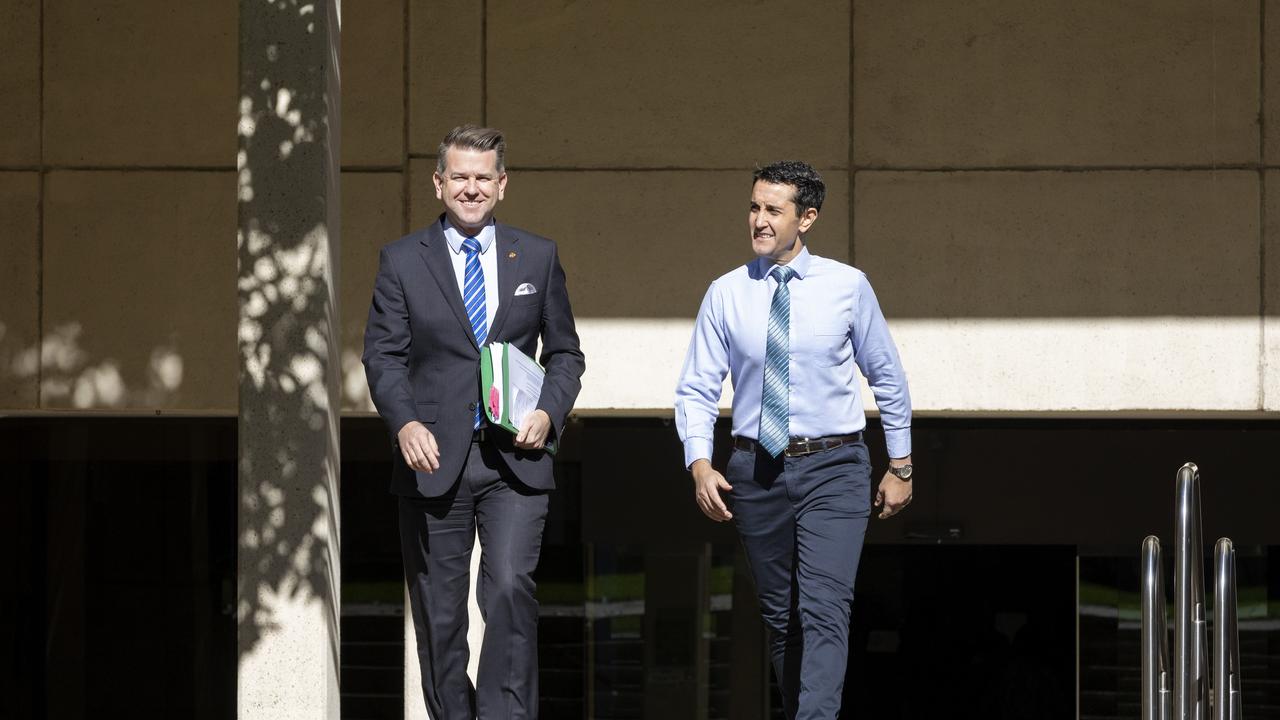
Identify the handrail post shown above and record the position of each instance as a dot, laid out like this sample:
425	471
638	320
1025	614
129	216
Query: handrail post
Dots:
1155	636
1226	637
1190	641
1181	690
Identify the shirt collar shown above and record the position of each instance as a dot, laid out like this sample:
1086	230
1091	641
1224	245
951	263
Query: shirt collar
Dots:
455	237
799	263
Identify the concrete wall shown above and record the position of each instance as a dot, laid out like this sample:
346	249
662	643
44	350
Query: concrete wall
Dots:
1063	208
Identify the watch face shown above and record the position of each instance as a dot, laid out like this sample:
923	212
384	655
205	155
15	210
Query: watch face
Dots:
903	472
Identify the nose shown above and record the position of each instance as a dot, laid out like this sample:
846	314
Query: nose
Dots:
758	221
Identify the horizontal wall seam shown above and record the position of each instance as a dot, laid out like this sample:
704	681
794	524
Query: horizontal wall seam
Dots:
888	168
137	168
623	168
1253	167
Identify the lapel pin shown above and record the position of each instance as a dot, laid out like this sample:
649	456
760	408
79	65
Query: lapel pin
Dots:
511	255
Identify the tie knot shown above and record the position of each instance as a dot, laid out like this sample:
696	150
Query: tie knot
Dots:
782	274
471	245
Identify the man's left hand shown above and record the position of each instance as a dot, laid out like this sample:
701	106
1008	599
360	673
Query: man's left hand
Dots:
894	495
533	432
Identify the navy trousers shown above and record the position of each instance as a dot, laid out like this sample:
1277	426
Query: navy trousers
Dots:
802	521
436	539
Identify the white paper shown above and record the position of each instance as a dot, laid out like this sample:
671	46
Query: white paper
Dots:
525	379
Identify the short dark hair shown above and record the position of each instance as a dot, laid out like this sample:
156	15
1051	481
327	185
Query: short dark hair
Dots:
810	190
473	137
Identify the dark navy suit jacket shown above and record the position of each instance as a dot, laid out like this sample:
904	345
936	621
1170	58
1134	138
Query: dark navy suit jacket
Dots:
422	361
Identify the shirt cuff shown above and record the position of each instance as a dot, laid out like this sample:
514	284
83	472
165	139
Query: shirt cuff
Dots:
898	442
696	448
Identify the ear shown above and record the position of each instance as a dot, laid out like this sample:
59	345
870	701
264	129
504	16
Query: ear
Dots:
502	185
807	219
439	181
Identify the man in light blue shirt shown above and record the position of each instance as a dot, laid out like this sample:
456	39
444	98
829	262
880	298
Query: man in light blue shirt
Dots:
789	327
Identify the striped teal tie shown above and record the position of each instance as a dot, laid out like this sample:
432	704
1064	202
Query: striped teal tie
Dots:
775	404
473	299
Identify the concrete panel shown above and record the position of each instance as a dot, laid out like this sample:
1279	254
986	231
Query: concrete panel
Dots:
1121	366
649	353
423	205
139	290
1271	91
1161	82
148	82
1054	244
1069	365
373	83
19	289
642	244
1271	296
20	82
638	83
372	216
446	58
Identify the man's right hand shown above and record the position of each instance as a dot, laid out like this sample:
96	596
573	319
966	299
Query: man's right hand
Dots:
707	486
418	446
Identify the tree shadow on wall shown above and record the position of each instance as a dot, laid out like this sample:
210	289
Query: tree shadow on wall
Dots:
288	445
70	375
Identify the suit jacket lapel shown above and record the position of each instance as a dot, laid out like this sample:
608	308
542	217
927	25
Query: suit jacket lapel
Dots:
435	254
508	273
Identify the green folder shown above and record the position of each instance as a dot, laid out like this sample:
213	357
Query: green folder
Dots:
503	400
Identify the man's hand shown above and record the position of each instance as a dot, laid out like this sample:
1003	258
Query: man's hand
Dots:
418	446
894	494
533	431
707	486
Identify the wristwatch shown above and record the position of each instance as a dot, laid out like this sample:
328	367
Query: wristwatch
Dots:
902	472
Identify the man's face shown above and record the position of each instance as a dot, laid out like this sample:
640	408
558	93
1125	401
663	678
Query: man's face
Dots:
470	187
775	225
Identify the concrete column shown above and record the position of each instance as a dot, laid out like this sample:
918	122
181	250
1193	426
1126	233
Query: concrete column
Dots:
288	566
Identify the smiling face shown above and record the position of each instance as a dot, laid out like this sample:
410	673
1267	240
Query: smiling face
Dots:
776	225
470	186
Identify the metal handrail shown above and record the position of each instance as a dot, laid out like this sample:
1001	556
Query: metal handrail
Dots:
1155	636
1181	690
1226	637
1190	639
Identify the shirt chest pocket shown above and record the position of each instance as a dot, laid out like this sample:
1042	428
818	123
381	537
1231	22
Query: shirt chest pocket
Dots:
829	343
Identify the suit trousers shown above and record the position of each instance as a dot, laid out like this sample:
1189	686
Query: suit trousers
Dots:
436	539
802	521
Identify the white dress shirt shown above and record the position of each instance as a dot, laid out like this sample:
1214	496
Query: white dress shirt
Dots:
488	263
835	323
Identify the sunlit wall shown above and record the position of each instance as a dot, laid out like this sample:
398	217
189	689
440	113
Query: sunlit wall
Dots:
1063	208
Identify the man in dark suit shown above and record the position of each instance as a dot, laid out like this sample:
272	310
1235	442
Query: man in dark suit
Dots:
441	294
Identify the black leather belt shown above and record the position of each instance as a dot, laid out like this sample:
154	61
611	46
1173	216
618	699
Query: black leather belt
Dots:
481	435
802	446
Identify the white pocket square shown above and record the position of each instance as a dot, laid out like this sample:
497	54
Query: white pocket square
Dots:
526	289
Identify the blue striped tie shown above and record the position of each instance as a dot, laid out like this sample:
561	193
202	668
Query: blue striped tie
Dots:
473	299
775	403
